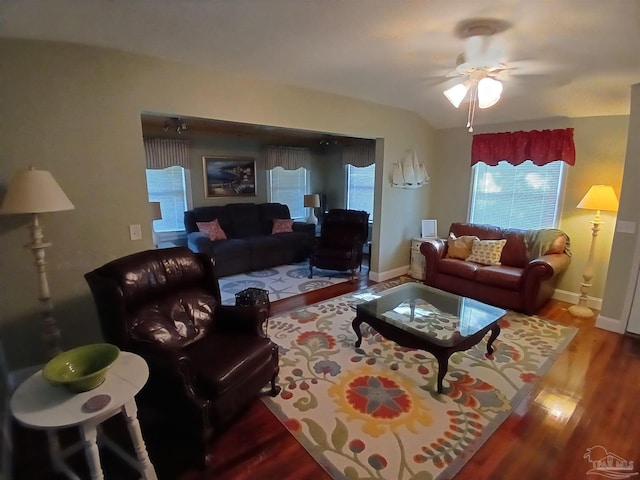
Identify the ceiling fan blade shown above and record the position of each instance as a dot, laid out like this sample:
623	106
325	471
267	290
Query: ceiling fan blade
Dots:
483	51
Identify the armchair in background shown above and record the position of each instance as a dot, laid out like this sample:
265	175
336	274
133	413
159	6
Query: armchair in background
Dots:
207	361
342	236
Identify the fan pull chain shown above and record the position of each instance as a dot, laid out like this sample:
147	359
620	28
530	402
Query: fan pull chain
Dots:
473	96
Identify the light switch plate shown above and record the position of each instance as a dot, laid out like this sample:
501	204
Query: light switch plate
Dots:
135	232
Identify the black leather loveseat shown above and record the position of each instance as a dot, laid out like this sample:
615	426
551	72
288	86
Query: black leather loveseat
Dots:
250	244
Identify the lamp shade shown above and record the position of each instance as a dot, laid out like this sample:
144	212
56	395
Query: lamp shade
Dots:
489	91
600	197
312	201
34	191
456	93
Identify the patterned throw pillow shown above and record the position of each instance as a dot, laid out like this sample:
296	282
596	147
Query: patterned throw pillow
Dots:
281	225
212	229
460	247
486	252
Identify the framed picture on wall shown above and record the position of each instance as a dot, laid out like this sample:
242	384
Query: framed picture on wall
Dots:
229	176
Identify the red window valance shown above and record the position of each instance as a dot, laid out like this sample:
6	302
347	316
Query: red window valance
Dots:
541	147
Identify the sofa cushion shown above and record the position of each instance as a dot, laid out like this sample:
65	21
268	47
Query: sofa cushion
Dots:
295	246
515	252
231	247
245	220
282	225
213	230
266	251
220	360
174	320
457	268
486	252
509	278
207	214
269	212
459	247
483	232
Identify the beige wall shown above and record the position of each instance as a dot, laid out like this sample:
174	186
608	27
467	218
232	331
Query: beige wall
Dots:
75	111
600	157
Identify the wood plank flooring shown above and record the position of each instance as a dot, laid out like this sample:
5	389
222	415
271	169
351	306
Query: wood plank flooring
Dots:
589	397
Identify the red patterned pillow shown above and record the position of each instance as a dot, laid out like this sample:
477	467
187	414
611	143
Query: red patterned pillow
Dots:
212	229
281	225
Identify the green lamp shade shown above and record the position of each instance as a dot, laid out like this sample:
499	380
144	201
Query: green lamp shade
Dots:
82	368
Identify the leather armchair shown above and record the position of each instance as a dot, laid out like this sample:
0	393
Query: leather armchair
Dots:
207	361
342	236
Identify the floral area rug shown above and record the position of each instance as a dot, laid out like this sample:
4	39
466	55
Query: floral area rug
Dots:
373	412
281	282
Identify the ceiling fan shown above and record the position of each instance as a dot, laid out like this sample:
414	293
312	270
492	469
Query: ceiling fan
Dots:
480	67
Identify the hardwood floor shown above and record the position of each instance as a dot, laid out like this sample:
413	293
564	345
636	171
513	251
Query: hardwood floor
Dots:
589	397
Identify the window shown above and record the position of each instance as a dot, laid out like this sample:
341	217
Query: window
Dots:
525	196
289	187
360	188
168	186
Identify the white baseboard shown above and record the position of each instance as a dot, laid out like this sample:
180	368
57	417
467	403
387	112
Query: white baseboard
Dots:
384	276
572	297
611	324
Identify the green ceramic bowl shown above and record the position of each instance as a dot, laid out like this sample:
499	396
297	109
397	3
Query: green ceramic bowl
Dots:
82	368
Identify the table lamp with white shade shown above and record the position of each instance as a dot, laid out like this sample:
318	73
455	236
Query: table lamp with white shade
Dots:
36	191
312	201
598	198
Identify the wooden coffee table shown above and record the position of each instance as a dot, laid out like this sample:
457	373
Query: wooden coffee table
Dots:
414	315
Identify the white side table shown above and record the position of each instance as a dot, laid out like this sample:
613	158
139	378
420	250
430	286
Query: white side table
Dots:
38	404
416	270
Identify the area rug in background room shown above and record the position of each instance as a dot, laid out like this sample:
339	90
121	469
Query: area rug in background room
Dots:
373	412
281	282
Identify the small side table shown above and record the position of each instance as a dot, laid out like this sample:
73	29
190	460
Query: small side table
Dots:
38	404
416	269
256	297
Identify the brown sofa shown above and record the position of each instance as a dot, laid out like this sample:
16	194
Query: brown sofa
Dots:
531	262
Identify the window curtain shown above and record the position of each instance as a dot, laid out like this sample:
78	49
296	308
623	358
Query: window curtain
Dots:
359	155
289	158
166	152
541	147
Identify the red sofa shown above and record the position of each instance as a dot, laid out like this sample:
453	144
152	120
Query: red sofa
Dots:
531	263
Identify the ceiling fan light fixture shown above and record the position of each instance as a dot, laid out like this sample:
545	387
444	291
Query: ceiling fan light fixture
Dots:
456	94
489	91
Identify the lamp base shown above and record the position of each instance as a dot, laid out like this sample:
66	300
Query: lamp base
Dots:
312	218
580	311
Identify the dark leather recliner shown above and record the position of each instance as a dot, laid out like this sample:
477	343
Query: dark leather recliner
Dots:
342	235
207	361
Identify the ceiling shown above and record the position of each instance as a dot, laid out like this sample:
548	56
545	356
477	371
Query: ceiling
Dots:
585	54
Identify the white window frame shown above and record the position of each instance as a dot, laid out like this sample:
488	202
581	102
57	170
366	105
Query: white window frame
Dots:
307	190
180	234
347	176
558	204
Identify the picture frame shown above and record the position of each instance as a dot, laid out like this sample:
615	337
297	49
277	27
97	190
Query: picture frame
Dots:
229	176
429	228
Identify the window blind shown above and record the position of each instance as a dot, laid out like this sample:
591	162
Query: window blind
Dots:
168	187
360	188
289	187
524	196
